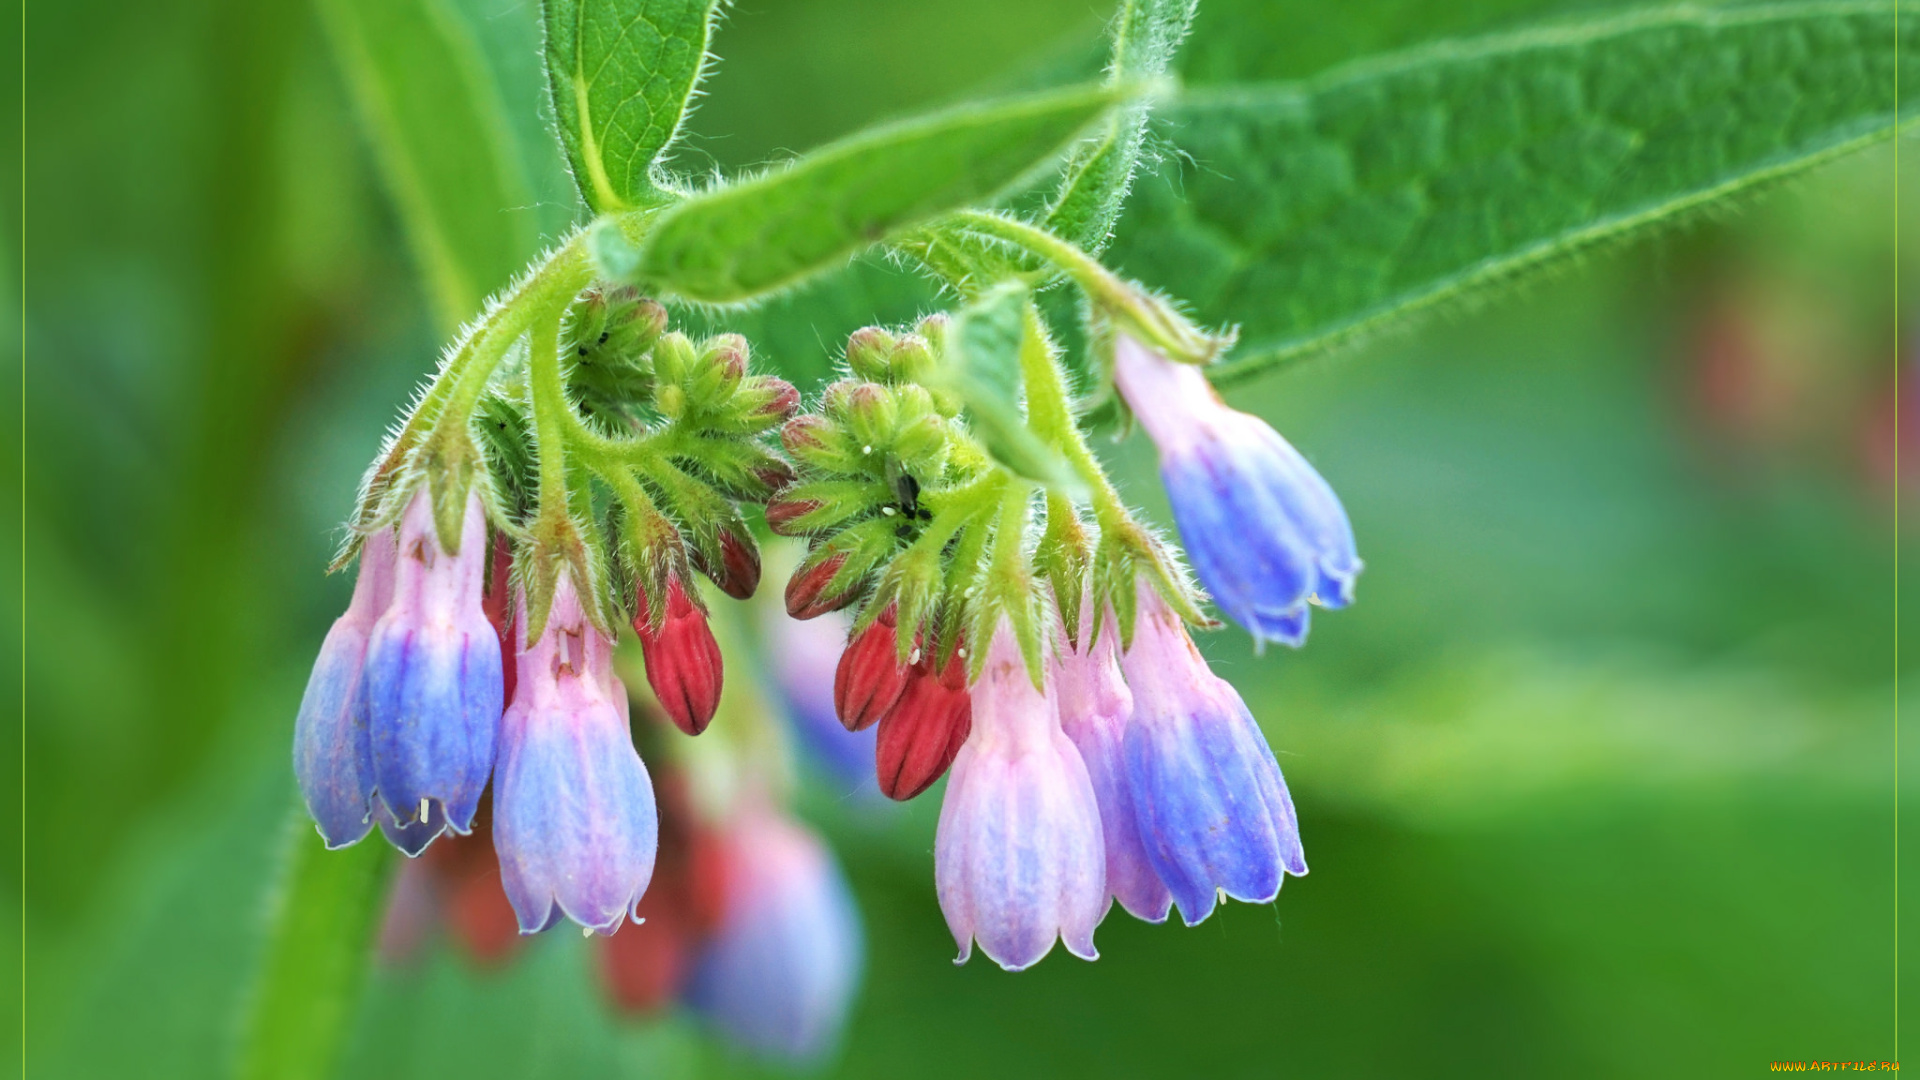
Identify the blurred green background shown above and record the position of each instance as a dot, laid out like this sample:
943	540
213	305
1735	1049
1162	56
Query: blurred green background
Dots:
1596	779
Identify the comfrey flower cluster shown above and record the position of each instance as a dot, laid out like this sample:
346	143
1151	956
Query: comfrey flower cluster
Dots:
575	465
1041	654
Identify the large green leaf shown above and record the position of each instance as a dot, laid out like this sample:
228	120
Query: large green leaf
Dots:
1145	35
1310	214
429	106
622	73
745	240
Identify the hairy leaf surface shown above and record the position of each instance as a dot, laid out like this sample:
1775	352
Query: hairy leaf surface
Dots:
622	73
1312	213
745	240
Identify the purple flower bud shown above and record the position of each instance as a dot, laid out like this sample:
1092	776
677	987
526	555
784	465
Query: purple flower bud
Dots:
1018	856
574	820
433	679
1095	706
331	757
1208	796
781	969
1265	532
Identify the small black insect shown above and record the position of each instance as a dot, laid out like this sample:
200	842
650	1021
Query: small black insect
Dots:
907	490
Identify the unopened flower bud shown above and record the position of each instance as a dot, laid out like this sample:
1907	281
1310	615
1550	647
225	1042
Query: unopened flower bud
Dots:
774	475
869	678
1018	857
803	433
872	414
782	400
331	757
808	590
433	677
923	731
912	359
781	514
682	658
869	351
738	574
574	821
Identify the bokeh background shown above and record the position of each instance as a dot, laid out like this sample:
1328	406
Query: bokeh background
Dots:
1596	779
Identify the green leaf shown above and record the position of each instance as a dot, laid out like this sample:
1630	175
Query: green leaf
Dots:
982	366
317	949
1314	213
1145	35
622	73
748	239
432	113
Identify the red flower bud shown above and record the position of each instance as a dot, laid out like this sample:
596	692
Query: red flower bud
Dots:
801	433
870	677
923	731
738	574
806	589
775	475
683	659
781	512
783	400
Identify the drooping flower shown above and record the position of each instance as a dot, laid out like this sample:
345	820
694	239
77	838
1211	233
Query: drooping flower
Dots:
574	820
1019	856
682	658
1267	536
1212	807
331	756
1095	708
920	735
433	679
781	970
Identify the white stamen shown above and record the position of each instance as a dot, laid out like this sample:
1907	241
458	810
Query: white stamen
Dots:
423	809
914	656
586	931
866	449
888	511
